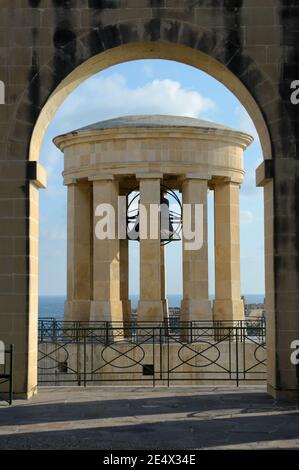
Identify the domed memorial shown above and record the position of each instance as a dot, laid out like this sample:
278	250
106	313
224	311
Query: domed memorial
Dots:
152	156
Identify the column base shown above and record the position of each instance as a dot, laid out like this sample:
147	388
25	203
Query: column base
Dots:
106	310
76	310
19	394
127	310
228	310
23	395
150	310
282	395
192	310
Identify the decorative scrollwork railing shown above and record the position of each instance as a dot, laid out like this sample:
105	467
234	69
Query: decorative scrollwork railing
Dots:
155	352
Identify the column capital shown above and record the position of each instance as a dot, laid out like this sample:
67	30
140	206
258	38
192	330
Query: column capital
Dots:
224	182
68	181
149	175
101	177
194	176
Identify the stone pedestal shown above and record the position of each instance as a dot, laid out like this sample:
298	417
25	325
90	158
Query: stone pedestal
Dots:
150	310
192	309
106	310
228	309
76	310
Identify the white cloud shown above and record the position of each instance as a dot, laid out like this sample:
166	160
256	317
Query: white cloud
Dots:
110	96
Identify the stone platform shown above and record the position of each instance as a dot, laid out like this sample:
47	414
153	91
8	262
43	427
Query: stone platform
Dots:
147	418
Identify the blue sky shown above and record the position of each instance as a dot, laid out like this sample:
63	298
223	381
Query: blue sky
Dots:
148	87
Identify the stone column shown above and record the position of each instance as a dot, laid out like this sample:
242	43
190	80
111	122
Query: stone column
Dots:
228	304
163	283
77	305
124	268
124	280
195	304
150	307
106	304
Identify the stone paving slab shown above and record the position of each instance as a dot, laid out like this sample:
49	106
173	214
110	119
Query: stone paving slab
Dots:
149	418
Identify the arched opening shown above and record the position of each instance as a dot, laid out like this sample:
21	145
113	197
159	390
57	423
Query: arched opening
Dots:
118	92
179	53
156	50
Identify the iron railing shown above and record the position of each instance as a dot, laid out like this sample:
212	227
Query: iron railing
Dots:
51	327
151	352
6	373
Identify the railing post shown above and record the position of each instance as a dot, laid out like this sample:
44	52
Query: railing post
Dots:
11	375
154	357
54	330
78	358
106	333
168	362
40	331
244	353
297	377
237	358
84	334
161	353
230	353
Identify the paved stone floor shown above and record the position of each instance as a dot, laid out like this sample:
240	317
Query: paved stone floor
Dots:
146	418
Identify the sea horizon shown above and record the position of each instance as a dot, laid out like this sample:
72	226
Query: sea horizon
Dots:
53	305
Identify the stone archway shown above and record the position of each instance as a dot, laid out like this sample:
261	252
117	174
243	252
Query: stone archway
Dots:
149	50
106	36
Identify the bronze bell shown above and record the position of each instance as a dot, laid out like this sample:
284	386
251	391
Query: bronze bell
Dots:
167	232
